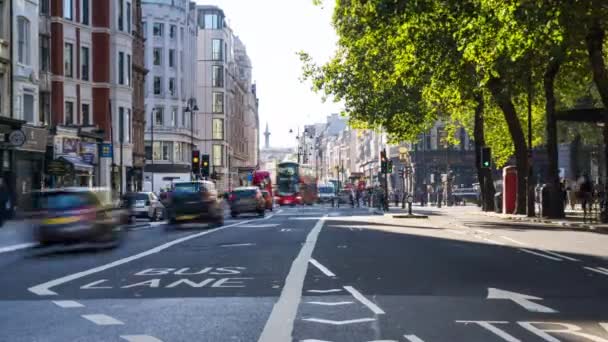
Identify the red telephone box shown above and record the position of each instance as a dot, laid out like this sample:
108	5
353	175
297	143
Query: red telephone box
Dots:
509	189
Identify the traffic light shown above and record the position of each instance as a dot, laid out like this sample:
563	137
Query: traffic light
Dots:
383	161
196	162
486	157
390	166
205	165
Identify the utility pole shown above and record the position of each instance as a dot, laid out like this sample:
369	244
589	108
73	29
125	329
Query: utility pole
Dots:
152	143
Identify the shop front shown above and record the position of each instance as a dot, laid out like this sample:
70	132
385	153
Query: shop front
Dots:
30	161
75	159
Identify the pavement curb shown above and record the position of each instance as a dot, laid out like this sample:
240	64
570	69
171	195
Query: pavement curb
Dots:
582	226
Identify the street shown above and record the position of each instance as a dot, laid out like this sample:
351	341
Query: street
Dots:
316	273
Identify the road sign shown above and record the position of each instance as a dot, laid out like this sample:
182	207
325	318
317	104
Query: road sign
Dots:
105	151
410	199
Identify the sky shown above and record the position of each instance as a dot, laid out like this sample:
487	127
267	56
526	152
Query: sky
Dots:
273	32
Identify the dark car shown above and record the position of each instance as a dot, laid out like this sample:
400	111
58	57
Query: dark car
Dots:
194	202
76	215
269	201
247	200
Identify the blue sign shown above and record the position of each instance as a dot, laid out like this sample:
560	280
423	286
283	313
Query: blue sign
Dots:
105	151
250	177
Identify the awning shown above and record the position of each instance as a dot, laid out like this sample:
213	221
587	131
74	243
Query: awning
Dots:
77	163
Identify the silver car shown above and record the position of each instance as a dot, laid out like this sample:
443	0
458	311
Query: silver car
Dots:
147	205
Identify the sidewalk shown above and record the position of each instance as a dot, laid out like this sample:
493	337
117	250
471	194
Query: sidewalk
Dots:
573	219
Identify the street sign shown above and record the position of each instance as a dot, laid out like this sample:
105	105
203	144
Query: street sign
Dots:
16	138
410	199
58	168
105	150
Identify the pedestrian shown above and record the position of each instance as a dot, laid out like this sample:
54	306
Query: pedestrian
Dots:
585	193
358	197
570	194
396	197
4	200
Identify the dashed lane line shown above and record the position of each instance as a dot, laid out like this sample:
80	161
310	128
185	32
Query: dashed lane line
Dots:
140	338
17	247
540	254
332	322
325	291
44	289
67	304
361	298
330	303
101	319
322	268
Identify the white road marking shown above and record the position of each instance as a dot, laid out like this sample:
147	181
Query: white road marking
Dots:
330	303
140	338
361	298
489	326
540	254
322	268
68	304
332	322
313	340
13	248
489	240
299	214
561	255
285	229
599	270
239	245
412	338
267	225
513	240
101	319
521	299
279	326
44	288
305	218
325	291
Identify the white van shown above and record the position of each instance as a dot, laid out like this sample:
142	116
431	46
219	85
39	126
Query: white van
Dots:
327	192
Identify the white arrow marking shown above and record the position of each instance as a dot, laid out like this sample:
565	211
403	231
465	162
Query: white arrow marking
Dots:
521	299
413	338
330	303
140	338
324	291
328	321
322	268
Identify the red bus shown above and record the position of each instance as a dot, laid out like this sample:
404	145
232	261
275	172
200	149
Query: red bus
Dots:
262	180
296	184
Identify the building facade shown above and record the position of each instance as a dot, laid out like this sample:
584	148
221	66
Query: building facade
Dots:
135	176
5	58
173	125
227	100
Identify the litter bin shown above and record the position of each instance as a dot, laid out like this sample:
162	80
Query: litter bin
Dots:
498	202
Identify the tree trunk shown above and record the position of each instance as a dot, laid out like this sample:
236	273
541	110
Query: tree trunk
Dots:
556	203
595	41
484	175
502	97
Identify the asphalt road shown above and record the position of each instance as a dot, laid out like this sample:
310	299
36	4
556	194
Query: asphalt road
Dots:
315	274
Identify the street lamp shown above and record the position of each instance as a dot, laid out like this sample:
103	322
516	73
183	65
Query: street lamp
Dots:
191	108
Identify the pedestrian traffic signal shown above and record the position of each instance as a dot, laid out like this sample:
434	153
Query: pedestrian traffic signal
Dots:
196	161
390	166
486	157
383	161
205	165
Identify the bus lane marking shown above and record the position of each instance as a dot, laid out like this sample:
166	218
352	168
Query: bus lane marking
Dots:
321	268
44	289
543	329
101	319
140	338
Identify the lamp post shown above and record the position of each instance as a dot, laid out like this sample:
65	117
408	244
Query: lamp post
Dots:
191	108
152	144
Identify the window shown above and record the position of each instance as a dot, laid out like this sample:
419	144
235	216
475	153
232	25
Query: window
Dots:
174	117
128	75
158	87
121	68
218	155
172	91
67	10
217	76
177	154
86	115
181	34
45	53
158	29
44	7
218	102
127	137
217	53
68	60
181	60
218	129
23	40
212	21
171	58
85	12
158	116
121	124
44	110
157	56
145	29
148	150
225	52
84	61
28	107
129	17
157	150
120	15
172	31
167	151
69	113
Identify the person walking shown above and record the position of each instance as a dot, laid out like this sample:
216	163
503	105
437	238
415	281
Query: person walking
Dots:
4	198
586	193
396	197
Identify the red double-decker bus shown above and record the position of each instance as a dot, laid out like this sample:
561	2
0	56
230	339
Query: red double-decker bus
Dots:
296	184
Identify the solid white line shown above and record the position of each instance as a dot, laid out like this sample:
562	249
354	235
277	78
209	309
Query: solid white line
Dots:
540	254
268	225
18	247
361	298
413	338
44	288
140	338
332	322
68	304
513	240
325	291
560	255
322	268
239	245
597	270
330	303
101	319
279	326
313	340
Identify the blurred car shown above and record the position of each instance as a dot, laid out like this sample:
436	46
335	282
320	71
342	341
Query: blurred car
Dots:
344	197
327	193
146	205
195	201
73	215
247	200
268	199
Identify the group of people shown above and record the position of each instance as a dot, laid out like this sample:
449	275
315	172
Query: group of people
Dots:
584	191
